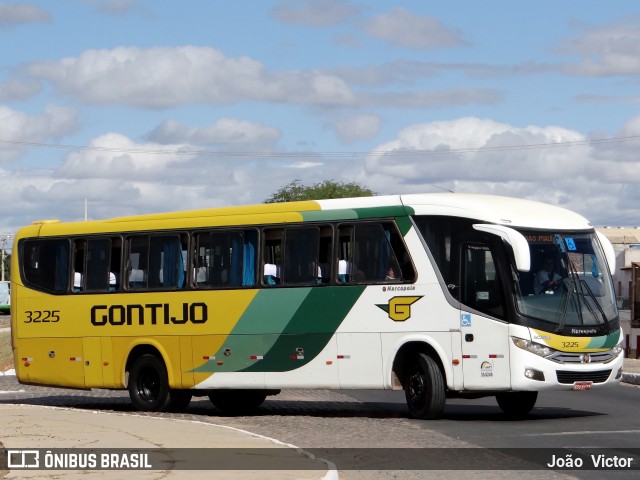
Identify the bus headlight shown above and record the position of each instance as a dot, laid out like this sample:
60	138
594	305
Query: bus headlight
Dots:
617	350
529	346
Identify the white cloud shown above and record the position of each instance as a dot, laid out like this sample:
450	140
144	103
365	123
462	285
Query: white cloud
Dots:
15	14
12	90
430	98
315	13
162	77
404	28
609	49
116	156
113	7
621	155
225	132
119	176
358	127
471	154
18	127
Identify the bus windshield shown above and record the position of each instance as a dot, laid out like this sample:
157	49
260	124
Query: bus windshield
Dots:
569	285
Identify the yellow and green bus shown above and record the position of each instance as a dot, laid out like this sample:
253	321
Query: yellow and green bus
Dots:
436	294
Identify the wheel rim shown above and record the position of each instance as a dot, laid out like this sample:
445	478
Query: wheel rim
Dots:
149	385
417	389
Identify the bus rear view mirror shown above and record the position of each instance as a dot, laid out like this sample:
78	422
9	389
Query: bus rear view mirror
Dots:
514	238
609	252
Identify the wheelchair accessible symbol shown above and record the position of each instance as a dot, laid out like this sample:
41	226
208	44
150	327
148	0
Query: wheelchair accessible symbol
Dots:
571	244
465	320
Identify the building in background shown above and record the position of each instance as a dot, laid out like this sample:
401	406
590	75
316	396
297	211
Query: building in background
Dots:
626	243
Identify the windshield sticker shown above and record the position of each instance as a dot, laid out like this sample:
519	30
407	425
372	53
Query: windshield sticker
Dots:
571	244
539	238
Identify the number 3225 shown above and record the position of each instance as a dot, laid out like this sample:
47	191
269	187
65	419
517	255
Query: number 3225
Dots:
42	316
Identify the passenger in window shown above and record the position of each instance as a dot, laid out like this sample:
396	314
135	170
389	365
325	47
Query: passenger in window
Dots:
547	280
391	275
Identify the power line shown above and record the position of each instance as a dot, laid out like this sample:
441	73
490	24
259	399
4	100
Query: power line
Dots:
303	154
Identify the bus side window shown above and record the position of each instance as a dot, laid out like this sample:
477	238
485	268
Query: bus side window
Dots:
325	253
166	265
79	264
272	253
481	288
300	261
46	264
368	253
97	270
443	236
225	258
115	268
292	255
156	261
344	254
137	262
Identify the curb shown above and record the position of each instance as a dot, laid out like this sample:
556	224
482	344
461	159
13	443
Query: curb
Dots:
632	378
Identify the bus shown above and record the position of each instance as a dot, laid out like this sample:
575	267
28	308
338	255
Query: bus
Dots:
434	294
5	297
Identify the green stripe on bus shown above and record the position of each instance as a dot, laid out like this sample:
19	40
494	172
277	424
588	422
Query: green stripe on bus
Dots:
278	322
608	341
404	225
327	215
310	329
271	310
381	212
356	213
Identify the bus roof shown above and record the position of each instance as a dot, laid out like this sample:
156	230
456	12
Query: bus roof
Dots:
485	208
515	212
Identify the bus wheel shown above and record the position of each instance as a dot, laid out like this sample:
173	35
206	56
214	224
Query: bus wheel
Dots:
516	404
424	389
149	384
237	401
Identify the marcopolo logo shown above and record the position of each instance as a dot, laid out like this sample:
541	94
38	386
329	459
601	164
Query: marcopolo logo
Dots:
399	308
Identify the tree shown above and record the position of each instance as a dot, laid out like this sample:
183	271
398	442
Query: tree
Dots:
296	191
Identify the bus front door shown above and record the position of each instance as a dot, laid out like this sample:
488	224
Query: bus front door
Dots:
484	332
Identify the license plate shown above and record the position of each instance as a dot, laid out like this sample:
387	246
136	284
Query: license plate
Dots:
582	385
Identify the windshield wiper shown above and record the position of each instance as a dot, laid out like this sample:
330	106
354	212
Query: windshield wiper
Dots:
577	288
605	321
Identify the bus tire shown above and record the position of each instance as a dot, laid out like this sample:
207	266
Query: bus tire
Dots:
516	404
237	401
149	384
179	400
425	389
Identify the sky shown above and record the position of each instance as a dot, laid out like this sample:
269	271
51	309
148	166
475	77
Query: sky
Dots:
141	106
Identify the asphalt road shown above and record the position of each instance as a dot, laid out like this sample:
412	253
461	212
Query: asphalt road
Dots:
606	418
371	420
